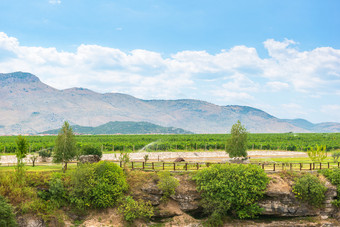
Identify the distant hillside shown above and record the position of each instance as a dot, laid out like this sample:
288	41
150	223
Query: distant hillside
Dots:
28	106
123	127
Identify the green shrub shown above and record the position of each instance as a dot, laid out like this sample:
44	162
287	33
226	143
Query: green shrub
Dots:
7	217
44	154
308	188
333	175
91	150
132	209
167	184
234	187
57	193
97	185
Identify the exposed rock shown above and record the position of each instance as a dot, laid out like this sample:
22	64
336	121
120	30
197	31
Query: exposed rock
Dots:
30	221
280	201
239	160
89	158
154	194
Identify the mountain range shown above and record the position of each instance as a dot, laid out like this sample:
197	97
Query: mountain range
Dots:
28	106
123	127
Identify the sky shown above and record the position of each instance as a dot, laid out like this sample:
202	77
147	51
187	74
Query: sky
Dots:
282	57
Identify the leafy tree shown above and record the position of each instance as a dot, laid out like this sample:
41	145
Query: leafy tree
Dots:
317	154
237	144
336	155
65	146
21	152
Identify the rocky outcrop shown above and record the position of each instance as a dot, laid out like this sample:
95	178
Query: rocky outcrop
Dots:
280	201
89	158
30	221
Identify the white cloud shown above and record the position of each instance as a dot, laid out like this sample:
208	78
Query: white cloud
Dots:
235	74
54	2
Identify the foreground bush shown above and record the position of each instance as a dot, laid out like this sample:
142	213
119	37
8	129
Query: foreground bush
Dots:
97	185
167	184
308	188
132	209
236	188
7	217
333	175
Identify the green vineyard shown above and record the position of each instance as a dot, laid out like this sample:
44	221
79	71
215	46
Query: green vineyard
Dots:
200	142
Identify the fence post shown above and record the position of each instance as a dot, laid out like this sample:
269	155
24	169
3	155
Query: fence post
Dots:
262	166
291	166
274	167
310	166
198	166
174	166
153	166
163	165
132	164
313	165
143	165
328	165
300	166
320	165
186	166
338	164
120	164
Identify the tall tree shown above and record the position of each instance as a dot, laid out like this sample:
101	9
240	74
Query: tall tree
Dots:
21	152
237	143
65	146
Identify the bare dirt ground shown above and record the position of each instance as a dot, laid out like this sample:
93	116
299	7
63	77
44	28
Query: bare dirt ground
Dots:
213	156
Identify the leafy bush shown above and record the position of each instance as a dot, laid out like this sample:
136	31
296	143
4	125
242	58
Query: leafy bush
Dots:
57	193
336	155
7	217
308	188
333	175
317	154
232	187
44	154
167	184
132	209
91	150
97	185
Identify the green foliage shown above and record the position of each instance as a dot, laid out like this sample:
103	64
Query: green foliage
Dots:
236	188
22	148
91	150
57	192
333	175
65	146
309	189
317	154
44	154
132	209
237	144
146	157
125	159
21	152
167	184
336	155
97	185
7	217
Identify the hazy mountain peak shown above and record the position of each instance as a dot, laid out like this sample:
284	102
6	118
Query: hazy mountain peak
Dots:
18	77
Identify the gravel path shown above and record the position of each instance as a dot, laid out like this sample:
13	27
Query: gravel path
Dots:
171	156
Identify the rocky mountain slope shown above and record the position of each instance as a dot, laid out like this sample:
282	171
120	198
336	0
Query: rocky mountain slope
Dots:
29	106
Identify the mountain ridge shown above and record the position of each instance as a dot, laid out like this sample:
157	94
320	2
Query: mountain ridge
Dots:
29	106
123	127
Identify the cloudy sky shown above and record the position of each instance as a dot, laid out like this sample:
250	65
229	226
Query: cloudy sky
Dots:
280	56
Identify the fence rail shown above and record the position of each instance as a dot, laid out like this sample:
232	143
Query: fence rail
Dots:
194	166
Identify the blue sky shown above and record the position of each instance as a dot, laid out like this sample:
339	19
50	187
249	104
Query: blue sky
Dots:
280	56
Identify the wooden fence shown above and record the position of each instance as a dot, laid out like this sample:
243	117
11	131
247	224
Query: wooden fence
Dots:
194	166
